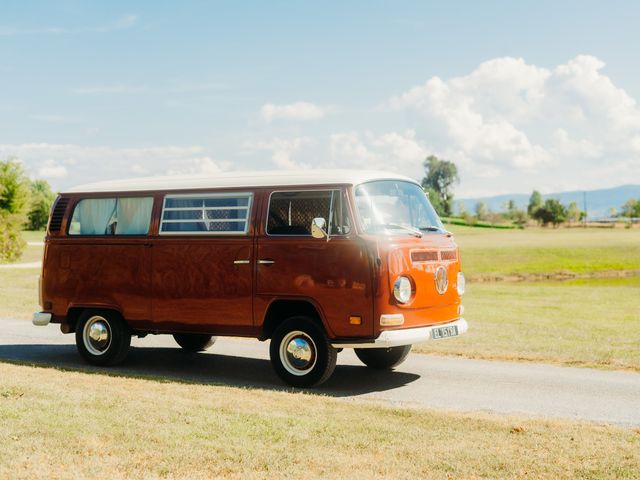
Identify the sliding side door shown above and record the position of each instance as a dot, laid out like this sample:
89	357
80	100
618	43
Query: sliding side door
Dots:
202	263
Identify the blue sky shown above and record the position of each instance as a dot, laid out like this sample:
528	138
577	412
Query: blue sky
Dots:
520	95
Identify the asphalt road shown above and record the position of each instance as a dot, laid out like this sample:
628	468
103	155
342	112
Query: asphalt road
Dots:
423	380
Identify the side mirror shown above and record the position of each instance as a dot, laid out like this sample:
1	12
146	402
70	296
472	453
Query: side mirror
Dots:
318	226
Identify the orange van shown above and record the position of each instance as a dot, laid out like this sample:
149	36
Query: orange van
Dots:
314	261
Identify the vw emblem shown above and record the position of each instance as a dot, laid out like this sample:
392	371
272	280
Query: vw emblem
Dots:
441	279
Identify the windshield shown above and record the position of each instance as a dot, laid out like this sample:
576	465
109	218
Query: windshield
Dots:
395	205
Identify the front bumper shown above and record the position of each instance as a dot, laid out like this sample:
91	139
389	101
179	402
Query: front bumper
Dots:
41	319
406	336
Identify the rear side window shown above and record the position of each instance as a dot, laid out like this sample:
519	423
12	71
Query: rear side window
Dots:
208	214
291	213
112	216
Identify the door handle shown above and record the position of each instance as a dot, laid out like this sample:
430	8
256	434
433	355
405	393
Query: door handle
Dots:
266	261
241	262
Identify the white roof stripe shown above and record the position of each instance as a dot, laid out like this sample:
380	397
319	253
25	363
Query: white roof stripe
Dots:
239	180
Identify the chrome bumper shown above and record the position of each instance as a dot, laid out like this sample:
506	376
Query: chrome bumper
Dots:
406	336
41	319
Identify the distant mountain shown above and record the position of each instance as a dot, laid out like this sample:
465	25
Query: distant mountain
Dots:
599	202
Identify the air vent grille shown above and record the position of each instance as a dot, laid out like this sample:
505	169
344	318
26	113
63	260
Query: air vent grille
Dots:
448	255
424	256
55	222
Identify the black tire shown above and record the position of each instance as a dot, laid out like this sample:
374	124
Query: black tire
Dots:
383	358
312	362
102	337
194	342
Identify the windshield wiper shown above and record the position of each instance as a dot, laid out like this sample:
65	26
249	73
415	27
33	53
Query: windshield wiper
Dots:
413	231
432	228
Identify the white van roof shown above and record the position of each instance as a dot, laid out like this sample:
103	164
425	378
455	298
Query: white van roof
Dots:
240	179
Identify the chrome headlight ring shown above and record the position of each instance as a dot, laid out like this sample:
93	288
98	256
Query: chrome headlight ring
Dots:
402	289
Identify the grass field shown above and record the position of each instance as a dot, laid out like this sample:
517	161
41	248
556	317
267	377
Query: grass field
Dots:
592	323
56	424
18	292
593	251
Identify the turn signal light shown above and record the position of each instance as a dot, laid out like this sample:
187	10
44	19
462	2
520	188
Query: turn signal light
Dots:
355	320
388	320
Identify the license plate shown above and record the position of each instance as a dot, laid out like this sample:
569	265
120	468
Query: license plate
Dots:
444	332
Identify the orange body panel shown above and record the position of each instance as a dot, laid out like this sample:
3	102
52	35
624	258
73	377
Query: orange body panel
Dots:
427	306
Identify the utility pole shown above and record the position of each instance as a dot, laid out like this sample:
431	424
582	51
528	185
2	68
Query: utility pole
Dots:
584	205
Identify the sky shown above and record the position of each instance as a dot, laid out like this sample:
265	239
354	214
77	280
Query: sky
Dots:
520	95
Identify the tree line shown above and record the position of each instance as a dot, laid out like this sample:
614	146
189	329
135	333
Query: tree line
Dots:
442	175
24	204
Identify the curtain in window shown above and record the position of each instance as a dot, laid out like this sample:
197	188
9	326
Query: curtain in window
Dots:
134	215
94	215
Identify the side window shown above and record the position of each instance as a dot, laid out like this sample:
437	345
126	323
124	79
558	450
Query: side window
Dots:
291	213
206	214
112	216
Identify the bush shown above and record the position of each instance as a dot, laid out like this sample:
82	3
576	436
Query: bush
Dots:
41	200
11	242
14	204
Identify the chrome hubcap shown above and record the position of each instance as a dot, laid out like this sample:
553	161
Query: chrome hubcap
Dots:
298	353
97	335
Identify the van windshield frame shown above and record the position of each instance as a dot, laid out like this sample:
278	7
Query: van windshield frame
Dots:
395	207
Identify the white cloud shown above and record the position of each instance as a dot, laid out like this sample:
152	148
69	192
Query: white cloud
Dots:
301	111
391	151
124	22
199	165
283	151
50	169
65	165
348	149
517	124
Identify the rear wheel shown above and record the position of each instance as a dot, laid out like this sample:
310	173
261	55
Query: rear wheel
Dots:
102	337
301	354
383	358
193	342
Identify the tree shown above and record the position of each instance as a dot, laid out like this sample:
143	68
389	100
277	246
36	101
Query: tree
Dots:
14	204
440	177
482	212
574	214
631	208
515	214
462	210
511	208
435	200
535	202
552	211
41	200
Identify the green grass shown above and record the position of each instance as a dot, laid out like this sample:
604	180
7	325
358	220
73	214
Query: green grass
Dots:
18	292
33	235
547	251
479	224
591	323
57	424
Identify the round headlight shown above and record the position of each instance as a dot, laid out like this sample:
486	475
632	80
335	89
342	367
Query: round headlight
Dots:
461	283
402	289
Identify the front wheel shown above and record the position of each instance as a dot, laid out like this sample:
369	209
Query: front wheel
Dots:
383	358
102	337
301	354
193	342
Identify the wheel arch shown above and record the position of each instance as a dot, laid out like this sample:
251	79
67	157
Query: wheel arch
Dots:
75	311
282	308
